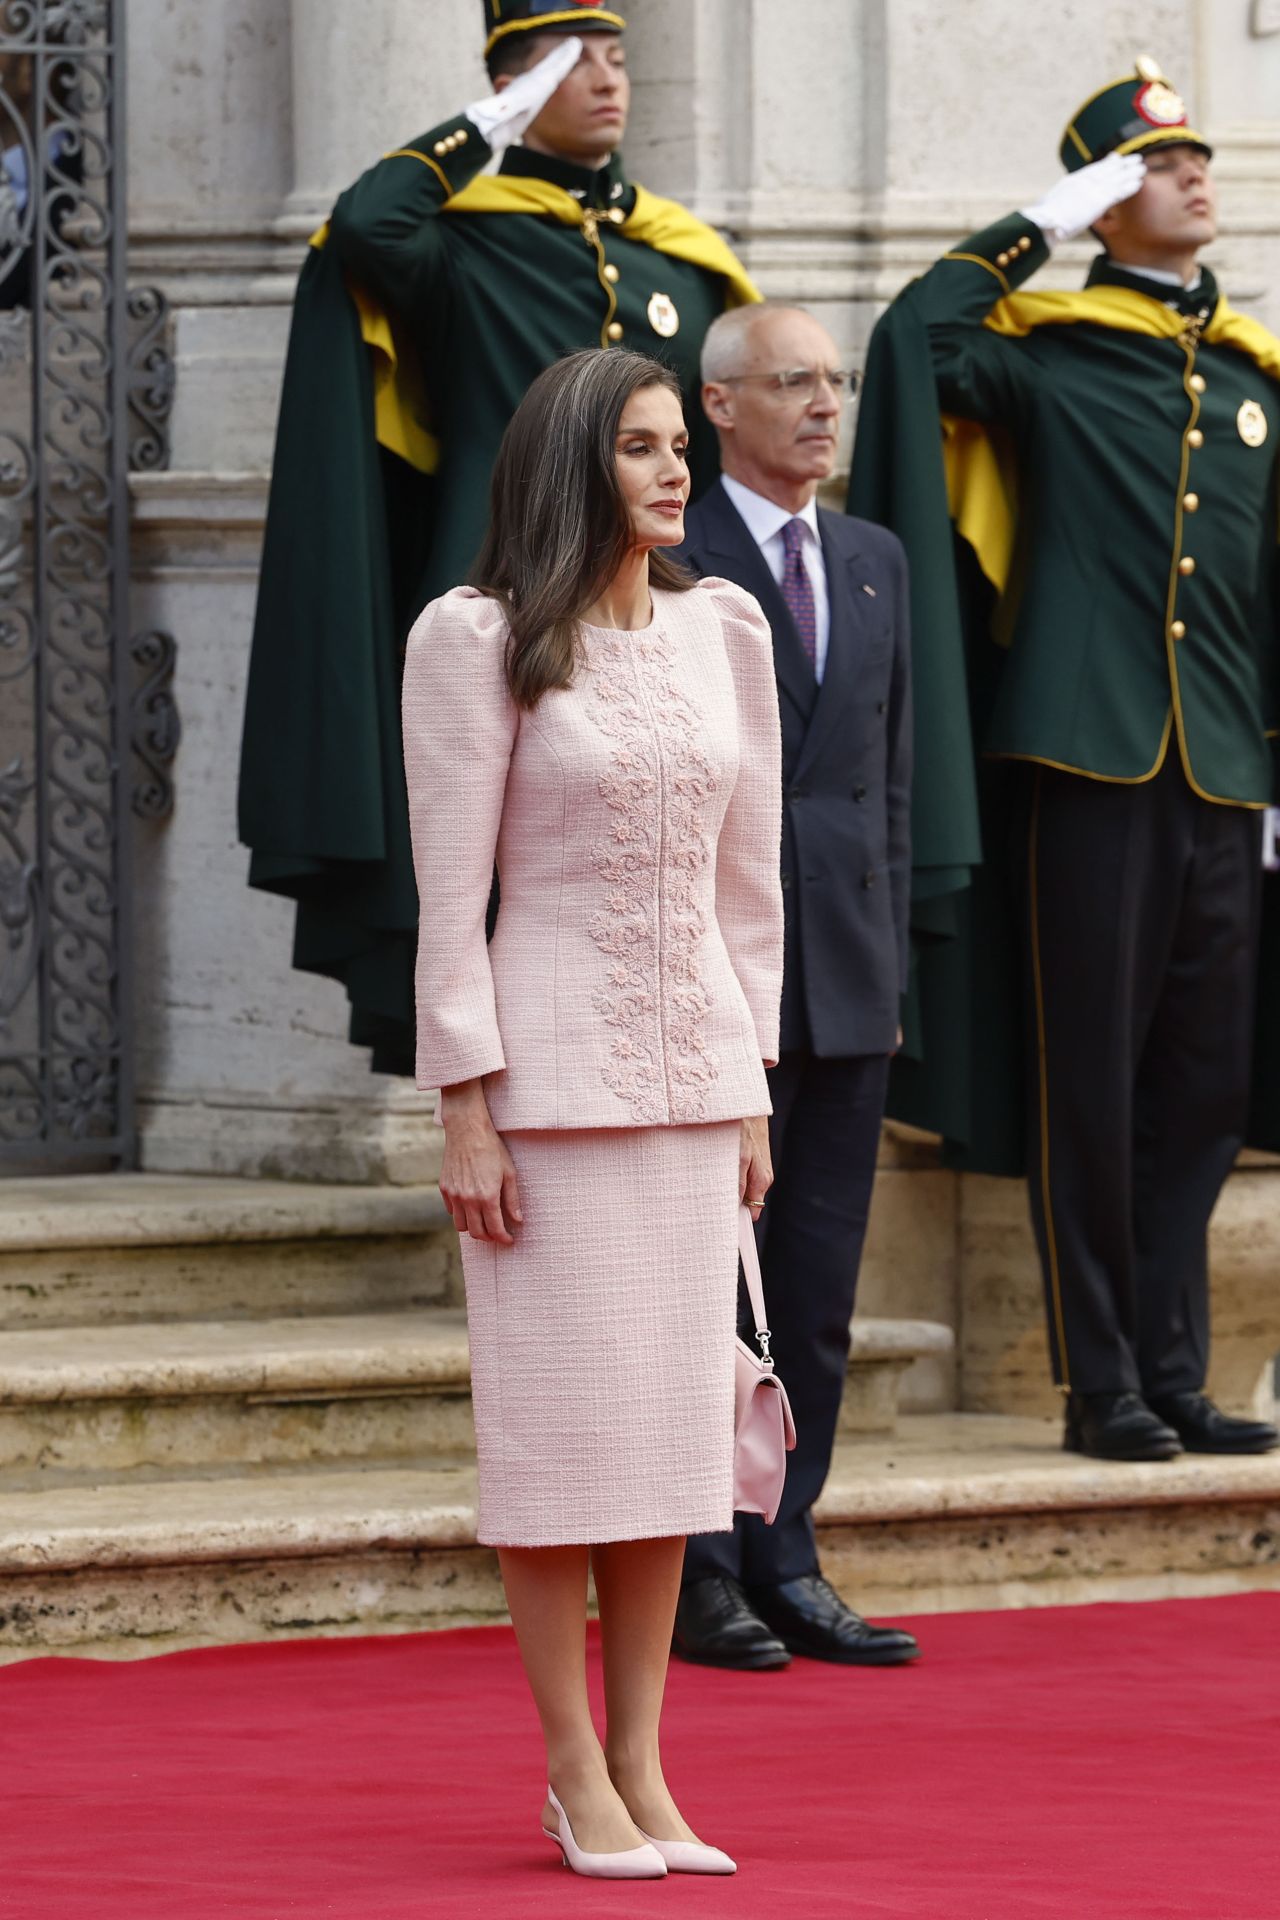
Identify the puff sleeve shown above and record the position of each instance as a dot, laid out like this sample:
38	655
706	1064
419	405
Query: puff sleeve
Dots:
460	727
748	857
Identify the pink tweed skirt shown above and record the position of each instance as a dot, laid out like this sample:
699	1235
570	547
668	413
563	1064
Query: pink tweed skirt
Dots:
602	1341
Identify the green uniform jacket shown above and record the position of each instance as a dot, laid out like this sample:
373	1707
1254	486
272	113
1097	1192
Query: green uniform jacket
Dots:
1098	589
470	306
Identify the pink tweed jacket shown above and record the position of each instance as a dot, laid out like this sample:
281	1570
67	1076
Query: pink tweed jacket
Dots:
635	817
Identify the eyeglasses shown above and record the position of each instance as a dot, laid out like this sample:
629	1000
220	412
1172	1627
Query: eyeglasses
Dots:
800	383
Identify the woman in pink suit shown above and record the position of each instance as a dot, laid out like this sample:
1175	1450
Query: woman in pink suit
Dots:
605	729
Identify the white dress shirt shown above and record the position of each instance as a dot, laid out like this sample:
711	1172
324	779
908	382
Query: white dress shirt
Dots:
765	521
1163	275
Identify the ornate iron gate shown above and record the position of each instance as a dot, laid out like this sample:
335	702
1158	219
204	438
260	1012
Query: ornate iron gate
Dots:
66	1056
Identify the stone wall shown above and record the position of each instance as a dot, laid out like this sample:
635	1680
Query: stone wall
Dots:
844	143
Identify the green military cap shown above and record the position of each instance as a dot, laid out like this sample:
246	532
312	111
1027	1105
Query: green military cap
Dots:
503	17
1140	111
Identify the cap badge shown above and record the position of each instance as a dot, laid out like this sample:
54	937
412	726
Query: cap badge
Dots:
1251	423
1147	68
1160	105
663	317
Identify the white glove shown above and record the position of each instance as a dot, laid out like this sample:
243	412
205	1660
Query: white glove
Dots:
1271	839
1077	200
502	118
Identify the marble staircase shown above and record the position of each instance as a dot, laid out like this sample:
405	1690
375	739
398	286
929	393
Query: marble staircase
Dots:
235	1410
953	1511
213	1390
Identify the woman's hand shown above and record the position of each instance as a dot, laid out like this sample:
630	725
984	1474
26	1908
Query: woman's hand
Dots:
478	1178
755	1164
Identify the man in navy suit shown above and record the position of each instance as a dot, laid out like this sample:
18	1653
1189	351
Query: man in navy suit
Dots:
835	592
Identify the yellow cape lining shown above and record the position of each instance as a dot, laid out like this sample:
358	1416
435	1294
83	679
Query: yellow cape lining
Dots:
399	392
982	481
664	225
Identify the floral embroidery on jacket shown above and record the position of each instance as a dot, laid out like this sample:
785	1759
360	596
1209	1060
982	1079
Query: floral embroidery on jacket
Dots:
653	864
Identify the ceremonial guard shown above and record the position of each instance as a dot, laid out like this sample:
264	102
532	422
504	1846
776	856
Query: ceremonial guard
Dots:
427	305
1109	626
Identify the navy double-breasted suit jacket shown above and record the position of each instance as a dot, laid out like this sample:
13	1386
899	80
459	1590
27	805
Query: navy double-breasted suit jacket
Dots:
846	771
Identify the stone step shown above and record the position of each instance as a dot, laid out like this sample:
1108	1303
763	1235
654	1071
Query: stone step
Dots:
296	1390
85	1250
955	1511
959	1511
881	1354
283	1391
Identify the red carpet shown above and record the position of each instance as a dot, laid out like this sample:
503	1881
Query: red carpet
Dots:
1102	1763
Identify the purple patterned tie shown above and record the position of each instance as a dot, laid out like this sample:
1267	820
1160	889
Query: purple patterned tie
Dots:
797	590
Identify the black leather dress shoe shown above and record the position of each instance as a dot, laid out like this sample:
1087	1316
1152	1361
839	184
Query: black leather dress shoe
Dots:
1117	1426
1204	1428
809	1617
716	1627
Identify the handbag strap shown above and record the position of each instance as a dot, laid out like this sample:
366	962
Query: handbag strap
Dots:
751	1274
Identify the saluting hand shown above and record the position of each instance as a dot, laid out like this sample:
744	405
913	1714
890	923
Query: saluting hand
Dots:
1073	203
503	118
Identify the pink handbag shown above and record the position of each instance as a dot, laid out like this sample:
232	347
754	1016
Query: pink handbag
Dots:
764	1432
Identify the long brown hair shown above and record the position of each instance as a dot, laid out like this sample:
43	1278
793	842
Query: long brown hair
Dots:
559	527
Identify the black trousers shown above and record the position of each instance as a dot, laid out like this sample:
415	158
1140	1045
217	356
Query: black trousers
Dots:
1141	932
824	1135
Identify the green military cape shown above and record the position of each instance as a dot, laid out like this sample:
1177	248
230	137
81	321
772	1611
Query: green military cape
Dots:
322	801
961	1072
347	526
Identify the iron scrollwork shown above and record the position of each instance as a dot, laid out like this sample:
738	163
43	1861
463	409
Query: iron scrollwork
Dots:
157	728
150	381
65	671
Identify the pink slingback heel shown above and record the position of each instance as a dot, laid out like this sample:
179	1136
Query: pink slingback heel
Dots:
637	1863
690	1856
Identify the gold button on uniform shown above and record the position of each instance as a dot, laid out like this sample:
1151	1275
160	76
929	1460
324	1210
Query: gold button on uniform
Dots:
461	136
614	329
1190	502
1195	438
440	149
1024	245
1186	564
1197	383
1002	259
611	274
1178	629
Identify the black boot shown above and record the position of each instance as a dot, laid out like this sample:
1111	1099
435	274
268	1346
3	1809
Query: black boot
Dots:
1203	1428
1117	1426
